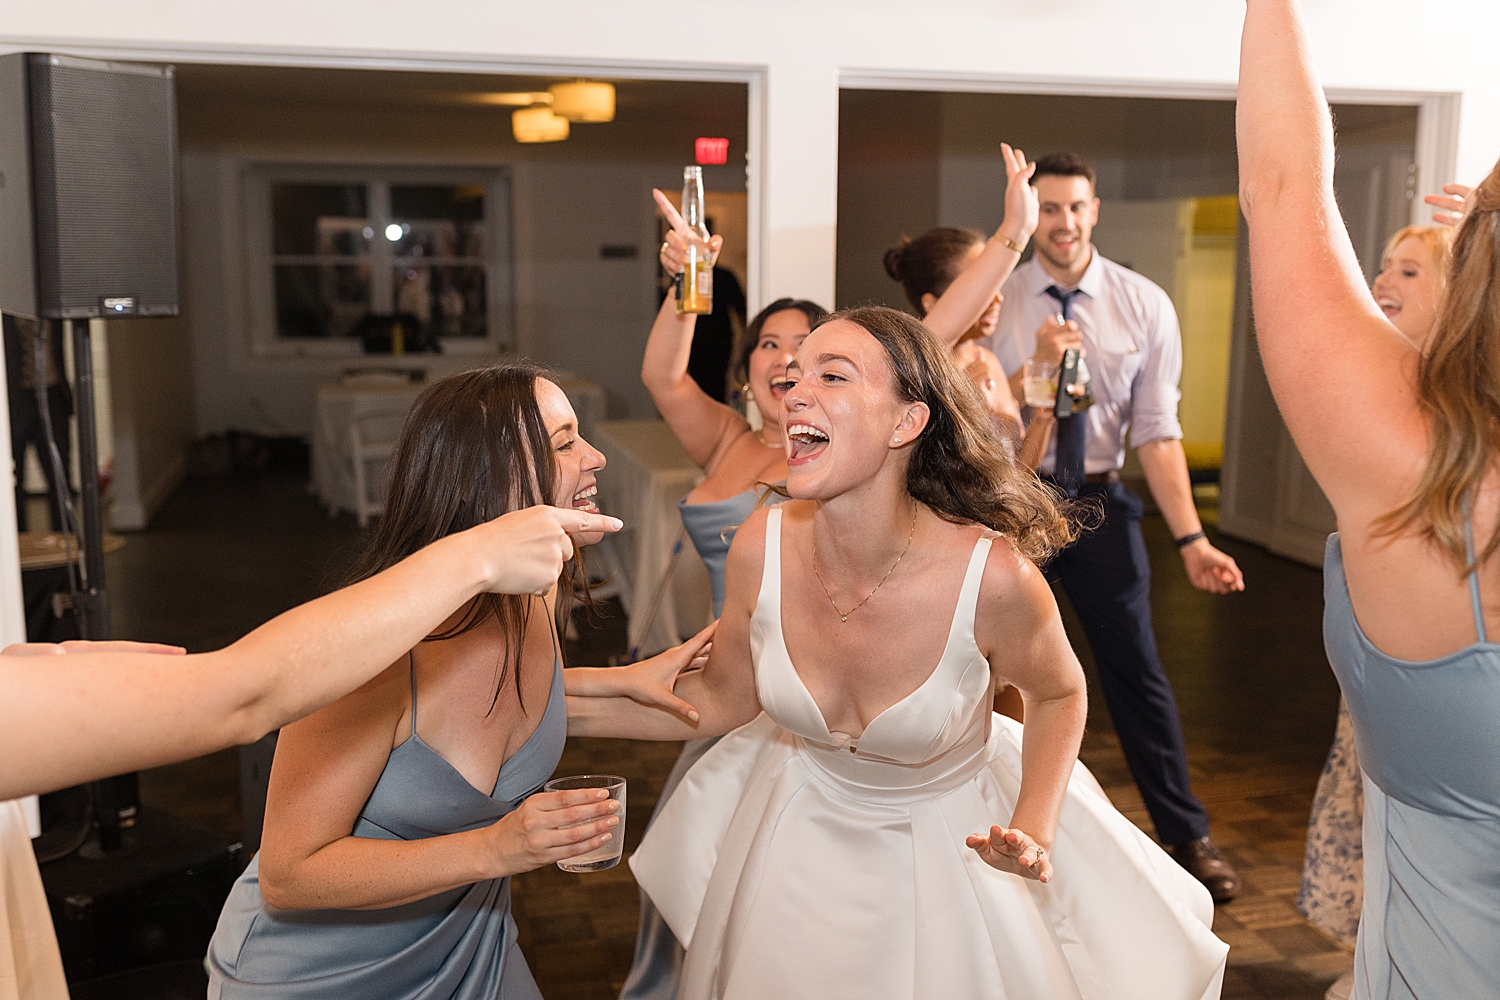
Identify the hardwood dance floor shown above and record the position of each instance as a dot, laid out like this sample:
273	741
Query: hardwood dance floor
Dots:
1257	700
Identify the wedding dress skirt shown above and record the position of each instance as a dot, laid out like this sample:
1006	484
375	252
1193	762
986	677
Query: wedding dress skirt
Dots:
795	862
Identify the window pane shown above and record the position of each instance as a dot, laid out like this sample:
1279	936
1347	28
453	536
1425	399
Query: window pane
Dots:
330	219
438	221
448	300
320	300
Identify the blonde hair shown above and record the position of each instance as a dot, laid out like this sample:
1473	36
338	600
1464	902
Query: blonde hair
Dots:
1437	239
1458	386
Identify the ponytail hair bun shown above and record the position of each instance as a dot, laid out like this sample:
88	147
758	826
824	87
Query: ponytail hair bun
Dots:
893	258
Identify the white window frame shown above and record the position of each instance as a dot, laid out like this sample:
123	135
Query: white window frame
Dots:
266	342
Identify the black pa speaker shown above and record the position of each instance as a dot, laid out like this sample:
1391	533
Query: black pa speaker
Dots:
88	188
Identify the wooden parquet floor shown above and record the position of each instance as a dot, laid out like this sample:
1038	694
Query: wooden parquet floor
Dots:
1256	697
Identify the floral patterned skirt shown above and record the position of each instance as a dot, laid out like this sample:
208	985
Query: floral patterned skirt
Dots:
1332	890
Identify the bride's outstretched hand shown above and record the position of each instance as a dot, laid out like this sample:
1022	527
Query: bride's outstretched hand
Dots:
1014	851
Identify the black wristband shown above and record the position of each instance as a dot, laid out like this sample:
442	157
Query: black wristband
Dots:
1187	540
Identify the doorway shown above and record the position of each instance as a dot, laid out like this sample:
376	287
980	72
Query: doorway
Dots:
1168	185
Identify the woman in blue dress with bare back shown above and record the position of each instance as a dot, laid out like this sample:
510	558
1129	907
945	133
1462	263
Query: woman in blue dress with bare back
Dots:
1402	441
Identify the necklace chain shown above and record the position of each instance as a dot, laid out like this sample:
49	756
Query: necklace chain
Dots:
762	435
844	615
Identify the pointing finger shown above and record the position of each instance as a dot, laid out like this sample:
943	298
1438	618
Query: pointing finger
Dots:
575	521
668	212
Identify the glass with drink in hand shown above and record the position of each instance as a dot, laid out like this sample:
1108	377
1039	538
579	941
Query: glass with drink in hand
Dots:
1040	384
695	285
609	855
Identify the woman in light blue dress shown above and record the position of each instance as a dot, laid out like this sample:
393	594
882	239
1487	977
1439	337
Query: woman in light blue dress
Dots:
1402	441
397	814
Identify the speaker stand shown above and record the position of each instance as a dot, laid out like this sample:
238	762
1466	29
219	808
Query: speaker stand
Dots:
117	799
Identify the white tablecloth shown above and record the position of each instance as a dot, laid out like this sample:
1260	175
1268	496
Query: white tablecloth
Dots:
646	473
336	403
333	410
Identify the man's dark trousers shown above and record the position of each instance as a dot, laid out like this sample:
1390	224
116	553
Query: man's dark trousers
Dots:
1107	577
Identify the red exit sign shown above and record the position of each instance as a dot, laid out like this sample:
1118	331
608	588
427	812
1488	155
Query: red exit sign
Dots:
711	152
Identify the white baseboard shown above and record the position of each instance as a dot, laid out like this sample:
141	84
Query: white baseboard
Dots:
134	513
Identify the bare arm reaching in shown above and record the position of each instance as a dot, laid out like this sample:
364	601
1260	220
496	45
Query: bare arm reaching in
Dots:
101	710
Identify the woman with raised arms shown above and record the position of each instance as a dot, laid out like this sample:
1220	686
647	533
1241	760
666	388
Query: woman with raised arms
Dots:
869	827
1402	442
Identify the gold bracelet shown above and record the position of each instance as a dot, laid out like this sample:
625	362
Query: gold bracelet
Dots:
1009	243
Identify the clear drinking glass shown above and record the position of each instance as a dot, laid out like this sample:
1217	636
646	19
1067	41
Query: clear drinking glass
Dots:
1040	384
609	855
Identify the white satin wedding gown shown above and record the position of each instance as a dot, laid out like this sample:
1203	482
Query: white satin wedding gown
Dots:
794	862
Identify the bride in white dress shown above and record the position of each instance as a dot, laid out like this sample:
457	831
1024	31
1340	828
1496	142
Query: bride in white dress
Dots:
869	828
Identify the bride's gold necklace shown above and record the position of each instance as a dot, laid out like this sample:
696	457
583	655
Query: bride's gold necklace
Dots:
844	615
762	435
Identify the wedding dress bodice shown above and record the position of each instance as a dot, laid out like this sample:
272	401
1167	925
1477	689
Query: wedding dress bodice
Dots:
948	711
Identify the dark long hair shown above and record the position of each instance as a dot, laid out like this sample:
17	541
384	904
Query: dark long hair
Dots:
929	263
741	370
959	466
473	447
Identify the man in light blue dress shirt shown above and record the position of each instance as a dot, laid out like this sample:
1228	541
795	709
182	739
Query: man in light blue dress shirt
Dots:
1070	296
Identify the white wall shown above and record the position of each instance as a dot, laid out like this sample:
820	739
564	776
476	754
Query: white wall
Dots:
151	396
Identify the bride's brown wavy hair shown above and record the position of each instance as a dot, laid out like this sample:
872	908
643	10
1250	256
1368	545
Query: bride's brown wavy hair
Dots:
959	466
1458	387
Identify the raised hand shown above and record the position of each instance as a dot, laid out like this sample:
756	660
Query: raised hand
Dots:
1022	207
1014	851
674	250
1452	209
550	827
526	549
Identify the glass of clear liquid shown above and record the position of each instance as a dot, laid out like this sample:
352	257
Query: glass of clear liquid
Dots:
609	855
1039	384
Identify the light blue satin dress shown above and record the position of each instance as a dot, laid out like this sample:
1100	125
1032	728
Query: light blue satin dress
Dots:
1428	739
457	945
657	968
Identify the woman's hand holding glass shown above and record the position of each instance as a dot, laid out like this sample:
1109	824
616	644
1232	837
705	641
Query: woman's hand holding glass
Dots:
550	827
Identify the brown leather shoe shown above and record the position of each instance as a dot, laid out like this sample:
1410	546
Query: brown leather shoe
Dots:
1204	862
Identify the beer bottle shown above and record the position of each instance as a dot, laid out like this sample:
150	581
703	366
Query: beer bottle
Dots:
695	285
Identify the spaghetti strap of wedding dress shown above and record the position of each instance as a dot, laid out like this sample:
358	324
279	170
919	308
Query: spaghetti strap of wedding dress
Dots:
797	862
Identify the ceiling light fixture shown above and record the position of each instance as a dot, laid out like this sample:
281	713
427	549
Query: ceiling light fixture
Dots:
583	101
538	125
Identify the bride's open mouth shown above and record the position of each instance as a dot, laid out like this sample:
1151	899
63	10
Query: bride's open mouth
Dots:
805	442
583	499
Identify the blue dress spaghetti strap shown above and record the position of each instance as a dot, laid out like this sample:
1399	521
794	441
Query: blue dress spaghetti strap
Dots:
1428	740
657	967
456	945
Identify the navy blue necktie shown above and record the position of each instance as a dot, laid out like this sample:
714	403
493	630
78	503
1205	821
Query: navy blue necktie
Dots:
1072	440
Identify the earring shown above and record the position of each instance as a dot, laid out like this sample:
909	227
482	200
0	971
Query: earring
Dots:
898	440
746	390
